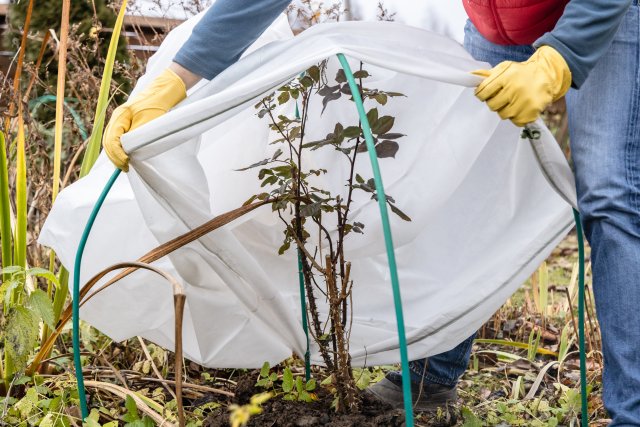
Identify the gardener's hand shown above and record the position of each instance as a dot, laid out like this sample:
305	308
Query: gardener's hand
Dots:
160	96
520	91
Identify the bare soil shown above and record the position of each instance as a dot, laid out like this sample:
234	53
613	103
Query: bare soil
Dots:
282	413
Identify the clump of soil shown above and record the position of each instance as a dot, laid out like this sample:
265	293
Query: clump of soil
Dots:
283	413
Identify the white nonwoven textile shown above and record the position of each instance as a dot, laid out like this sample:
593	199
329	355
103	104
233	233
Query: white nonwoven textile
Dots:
484	213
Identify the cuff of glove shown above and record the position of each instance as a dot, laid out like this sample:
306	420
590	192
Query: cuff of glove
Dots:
166	91
559	66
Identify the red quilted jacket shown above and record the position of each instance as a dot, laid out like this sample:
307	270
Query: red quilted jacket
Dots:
510	22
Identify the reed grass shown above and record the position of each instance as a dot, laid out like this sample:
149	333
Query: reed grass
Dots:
5	208
95	140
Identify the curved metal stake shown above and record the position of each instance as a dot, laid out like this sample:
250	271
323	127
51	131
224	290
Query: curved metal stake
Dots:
76	293
384	214
583	356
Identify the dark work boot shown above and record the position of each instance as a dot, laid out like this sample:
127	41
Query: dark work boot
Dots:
427	398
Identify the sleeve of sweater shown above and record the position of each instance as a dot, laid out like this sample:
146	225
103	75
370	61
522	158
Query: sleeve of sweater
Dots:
584	32
226	30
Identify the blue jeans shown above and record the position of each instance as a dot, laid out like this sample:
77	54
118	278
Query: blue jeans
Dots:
604	124
446	368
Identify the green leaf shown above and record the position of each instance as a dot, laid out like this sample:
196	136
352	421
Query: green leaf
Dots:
327	381
383	125
284	248
299	385
361	74
12	269
264	172
45	274
287	380
306	81
21	335
5	207
22	380
28	404
283	97
312	209
304	396
391	135
352	132
250	200
398	212
144	422
310	385
7	290
295	132
387	149
93	416
40	303
264	371
270	180
372	116
314	73
381	98
364	378
51	420
255	165
20	228
132	410
470	420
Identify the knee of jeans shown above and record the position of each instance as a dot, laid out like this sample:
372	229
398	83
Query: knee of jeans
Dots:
613	212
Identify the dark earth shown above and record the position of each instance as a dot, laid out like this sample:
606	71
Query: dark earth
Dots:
283	413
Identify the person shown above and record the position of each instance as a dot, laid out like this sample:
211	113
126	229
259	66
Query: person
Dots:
540	51
594	48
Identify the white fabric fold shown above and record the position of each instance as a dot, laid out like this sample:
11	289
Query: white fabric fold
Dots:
484	212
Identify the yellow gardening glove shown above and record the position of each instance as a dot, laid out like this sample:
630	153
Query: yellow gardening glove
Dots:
520	91
159	97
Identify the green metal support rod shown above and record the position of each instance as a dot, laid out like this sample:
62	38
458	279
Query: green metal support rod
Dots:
384	214
583	355
76	294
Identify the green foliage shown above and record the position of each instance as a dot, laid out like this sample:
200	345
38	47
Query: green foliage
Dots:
470	420
44	404
290	387
563	348
5	207
367	376
284	174
132	416
23	312
20	337
93	420
267	379
534	343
